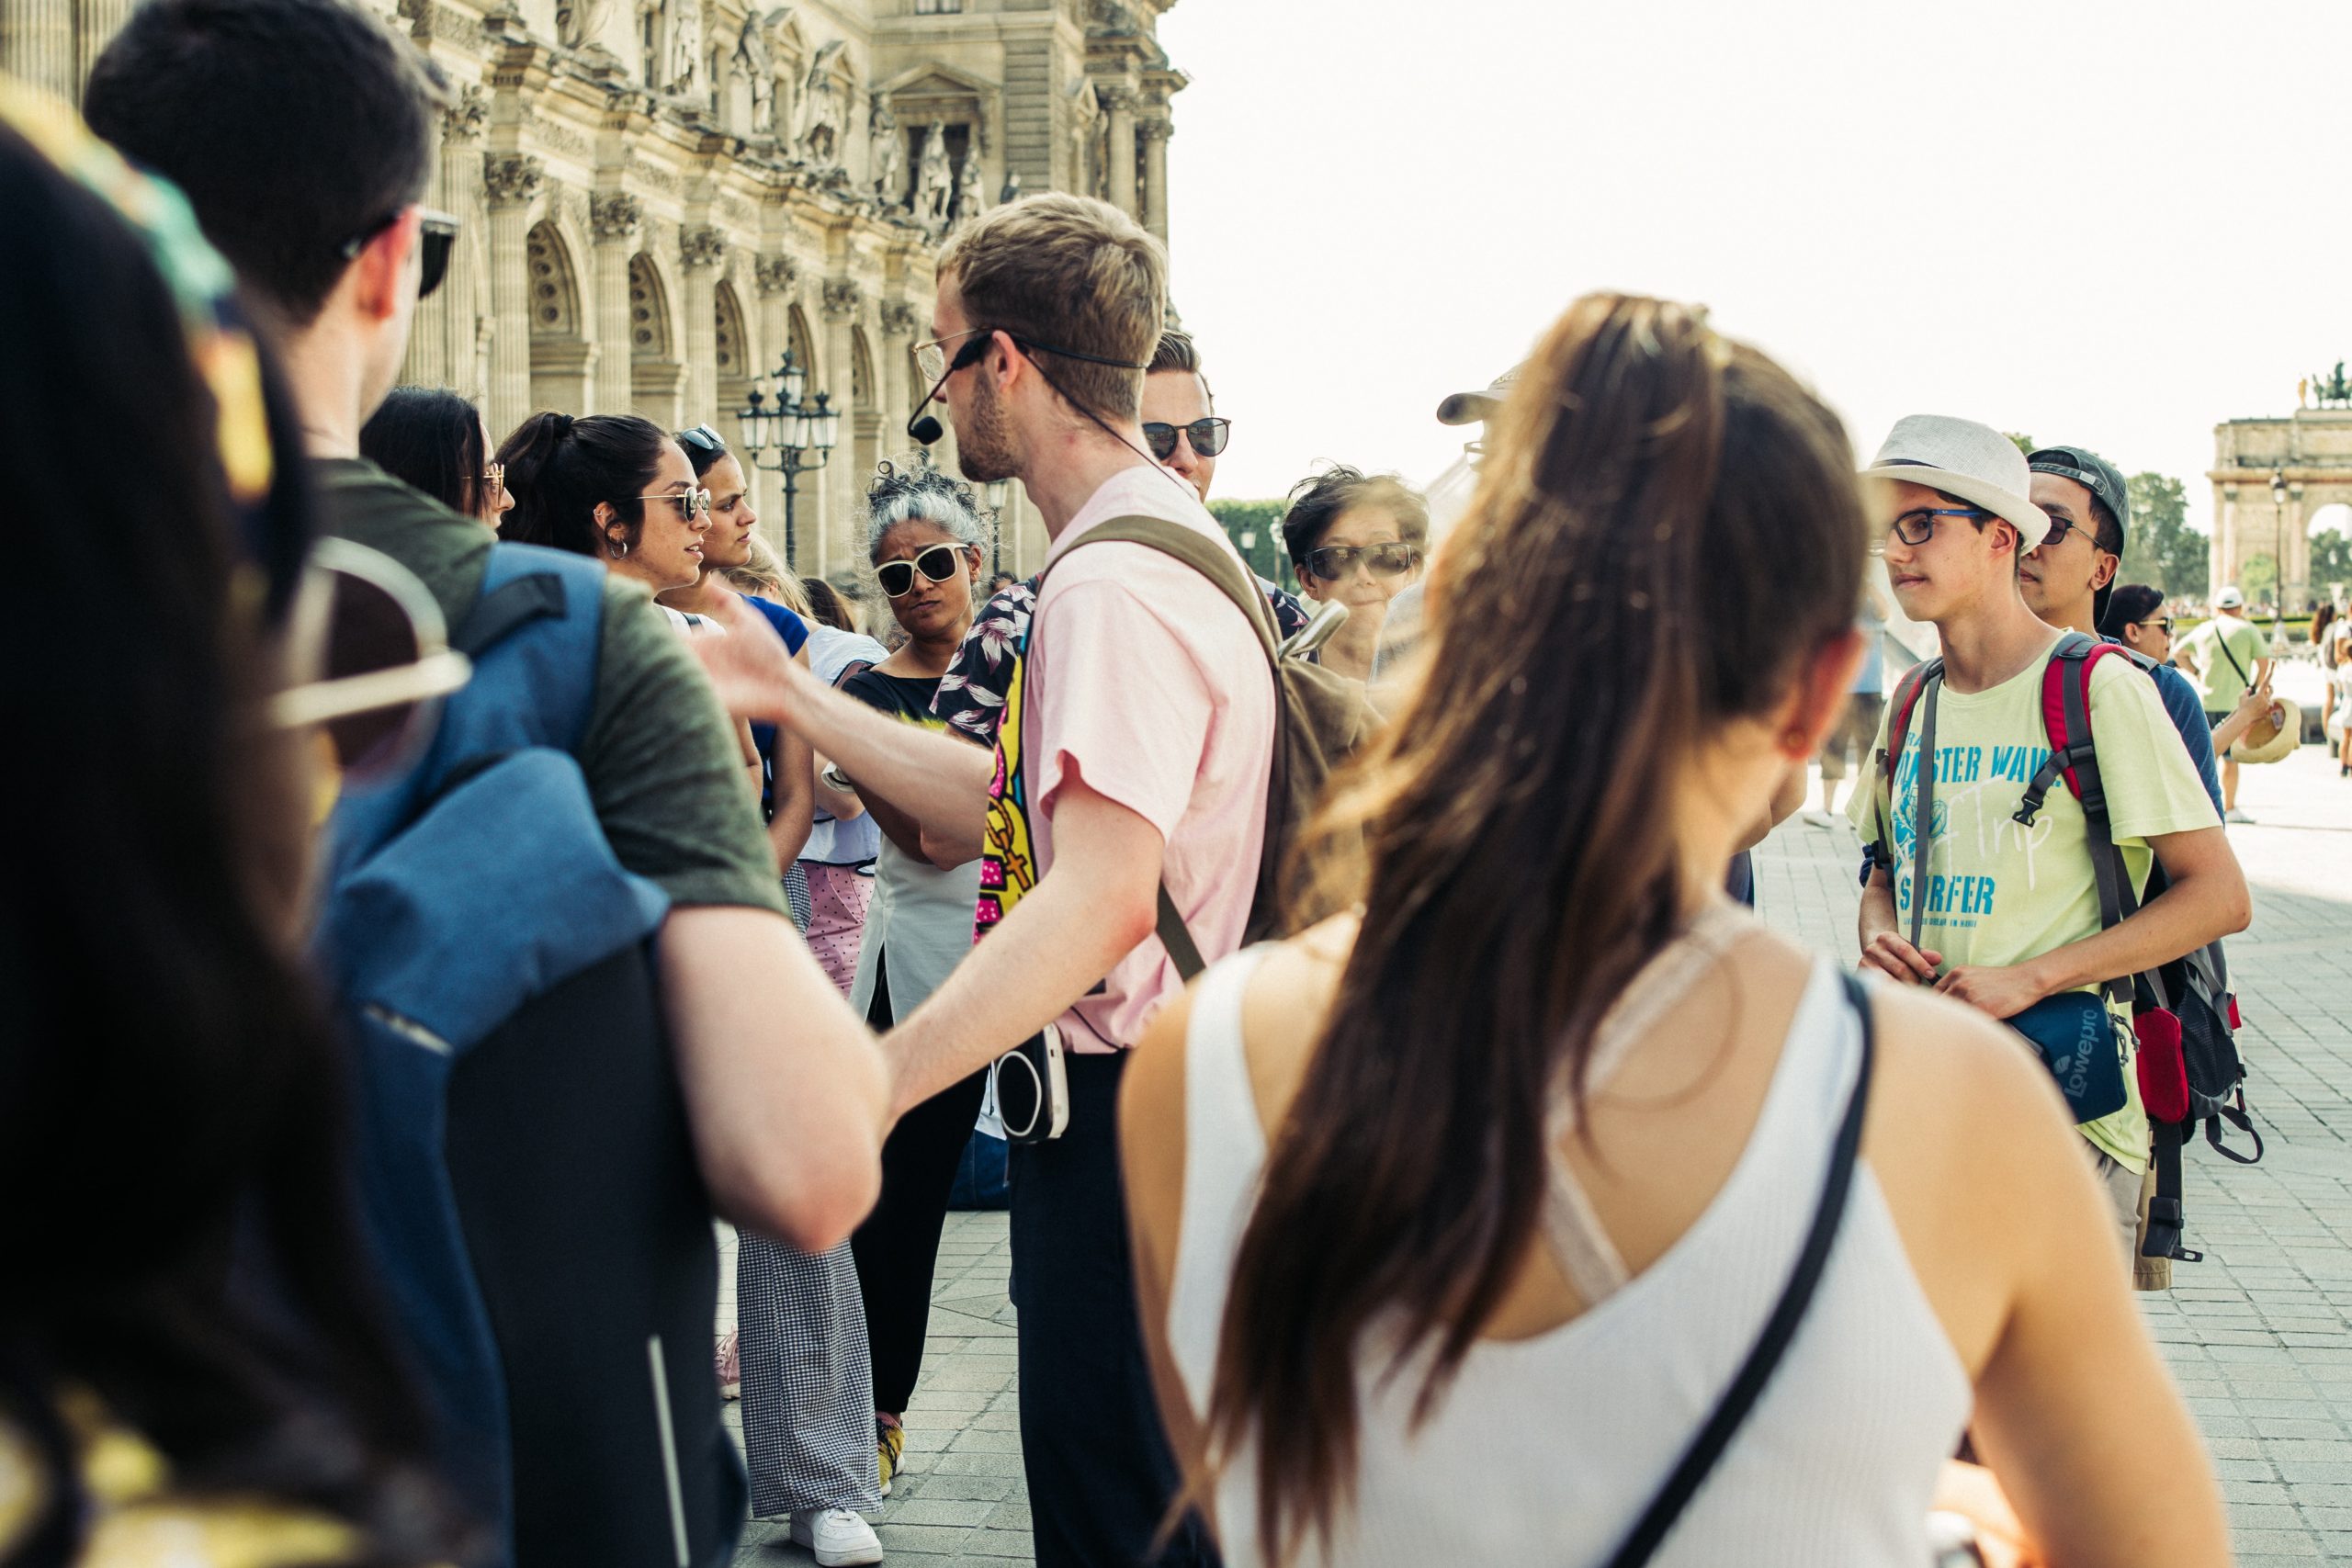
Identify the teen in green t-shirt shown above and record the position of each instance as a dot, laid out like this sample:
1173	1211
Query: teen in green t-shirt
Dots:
2225	657
2010	914
1999	894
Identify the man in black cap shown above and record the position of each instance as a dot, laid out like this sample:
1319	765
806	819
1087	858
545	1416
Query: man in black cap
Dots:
2068	578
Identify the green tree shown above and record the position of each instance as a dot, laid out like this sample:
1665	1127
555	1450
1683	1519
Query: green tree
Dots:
2025	444
2161	546
1256	529
2331	560
2258	579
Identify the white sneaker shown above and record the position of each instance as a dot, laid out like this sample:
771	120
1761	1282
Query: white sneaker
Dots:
2239	817
837	1535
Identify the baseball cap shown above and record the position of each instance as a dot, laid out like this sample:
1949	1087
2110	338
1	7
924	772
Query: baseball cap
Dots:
1961	457
2229	599
2103	479
1469	408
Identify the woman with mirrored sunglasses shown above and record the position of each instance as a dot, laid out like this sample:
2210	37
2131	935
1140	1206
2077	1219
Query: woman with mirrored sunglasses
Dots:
924	535
174	1094
1355	539
617	488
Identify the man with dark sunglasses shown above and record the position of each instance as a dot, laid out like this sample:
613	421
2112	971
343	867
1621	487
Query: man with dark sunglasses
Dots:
2069	578
1136	759
301	132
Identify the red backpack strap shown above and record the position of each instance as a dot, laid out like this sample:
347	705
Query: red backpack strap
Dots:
2066	715
1898	725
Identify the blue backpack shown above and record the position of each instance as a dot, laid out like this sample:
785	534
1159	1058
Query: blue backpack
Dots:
527	1173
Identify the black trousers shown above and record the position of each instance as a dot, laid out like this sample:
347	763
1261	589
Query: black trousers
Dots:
897	1249
1101	1473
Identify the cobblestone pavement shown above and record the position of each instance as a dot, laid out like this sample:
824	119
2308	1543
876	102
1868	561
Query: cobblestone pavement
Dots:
2260	1334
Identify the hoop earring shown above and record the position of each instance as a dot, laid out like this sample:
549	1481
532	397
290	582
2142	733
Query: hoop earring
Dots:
620	549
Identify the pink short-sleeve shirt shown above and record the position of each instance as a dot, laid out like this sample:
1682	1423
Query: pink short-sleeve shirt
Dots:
1145	681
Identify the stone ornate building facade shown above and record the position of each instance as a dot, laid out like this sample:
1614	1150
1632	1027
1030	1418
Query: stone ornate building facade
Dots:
661	196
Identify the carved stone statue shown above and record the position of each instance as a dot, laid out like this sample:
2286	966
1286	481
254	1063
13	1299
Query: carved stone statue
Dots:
934	184
820	110
890	154
685	47
579	23
2304	393
1012	191
969	202
2332	392
754	61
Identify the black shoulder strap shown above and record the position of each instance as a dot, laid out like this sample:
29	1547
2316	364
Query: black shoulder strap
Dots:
1923	808
505	610
1658	1520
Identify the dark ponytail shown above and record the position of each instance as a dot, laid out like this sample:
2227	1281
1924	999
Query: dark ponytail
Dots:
559	468
1667	527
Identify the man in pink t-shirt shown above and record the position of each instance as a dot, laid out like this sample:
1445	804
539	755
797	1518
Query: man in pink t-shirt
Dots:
1142	755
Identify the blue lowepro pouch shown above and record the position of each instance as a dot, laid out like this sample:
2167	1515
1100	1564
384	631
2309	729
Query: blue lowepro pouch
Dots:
2076	1038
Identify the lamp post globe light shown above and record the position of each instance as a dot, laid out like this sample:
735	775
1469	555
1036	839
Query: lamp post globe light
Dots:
786	436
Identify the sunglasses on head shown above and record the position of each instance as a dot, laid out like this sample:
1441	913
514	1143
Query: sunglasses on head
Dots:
702	438
376	640
436	233
1208	438
898	577
1331	561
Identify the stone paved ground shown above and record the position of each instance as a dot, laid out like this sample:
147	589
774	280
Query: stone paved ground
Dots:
2260	1334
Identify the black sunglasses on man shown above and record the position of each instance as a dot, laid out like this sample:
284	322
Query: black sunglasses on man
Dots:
1208	438
436	234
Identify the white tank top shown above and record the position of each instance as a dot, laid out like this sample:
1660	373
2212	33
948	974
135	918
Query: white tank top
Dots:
1546	1450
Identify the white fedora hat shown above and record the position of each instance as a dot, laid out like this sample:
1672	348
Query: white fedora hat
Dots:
1961	457
2274	737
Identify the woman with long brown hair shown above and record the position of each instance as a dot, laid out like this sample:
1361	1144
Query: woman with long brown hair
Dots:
1457	1217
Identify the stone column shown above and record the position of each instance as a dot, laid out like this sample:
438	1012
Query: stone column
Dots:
94	29
1154	133
2293	555
512	181
702	249
778	276
37	45
1121	101
614	217
440	345
839	481
2225	534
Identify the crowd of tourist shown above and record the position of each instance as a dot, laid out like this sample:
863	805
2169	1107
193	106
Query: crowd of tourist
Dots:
497	866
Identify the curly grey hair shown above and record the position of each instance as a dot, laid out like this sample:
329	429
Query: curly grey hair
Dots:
915	491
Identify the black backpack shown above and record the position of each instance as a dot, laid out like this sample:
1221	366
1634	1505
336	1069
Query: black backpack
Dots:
527	1177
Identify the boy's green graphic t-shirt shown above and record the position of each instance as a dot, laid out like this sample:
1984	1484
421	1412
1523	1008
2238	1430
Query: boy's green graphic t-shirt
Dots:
1999	893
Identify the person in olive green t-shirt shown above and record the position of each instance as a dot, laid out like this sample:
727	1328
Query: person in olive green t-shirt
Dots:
2225	657
787	1093
2010	915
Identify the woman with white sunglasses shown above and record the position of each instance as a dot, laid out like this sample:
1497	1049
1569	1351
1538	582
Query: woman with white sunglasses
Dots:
924	533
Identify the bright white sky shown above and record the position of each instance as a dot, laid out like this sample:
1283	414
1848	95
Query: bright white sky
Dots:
2109	224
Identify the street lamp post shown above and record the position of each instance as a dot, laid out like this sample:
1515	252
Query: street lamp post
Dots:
798	435
997	493
2278	550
